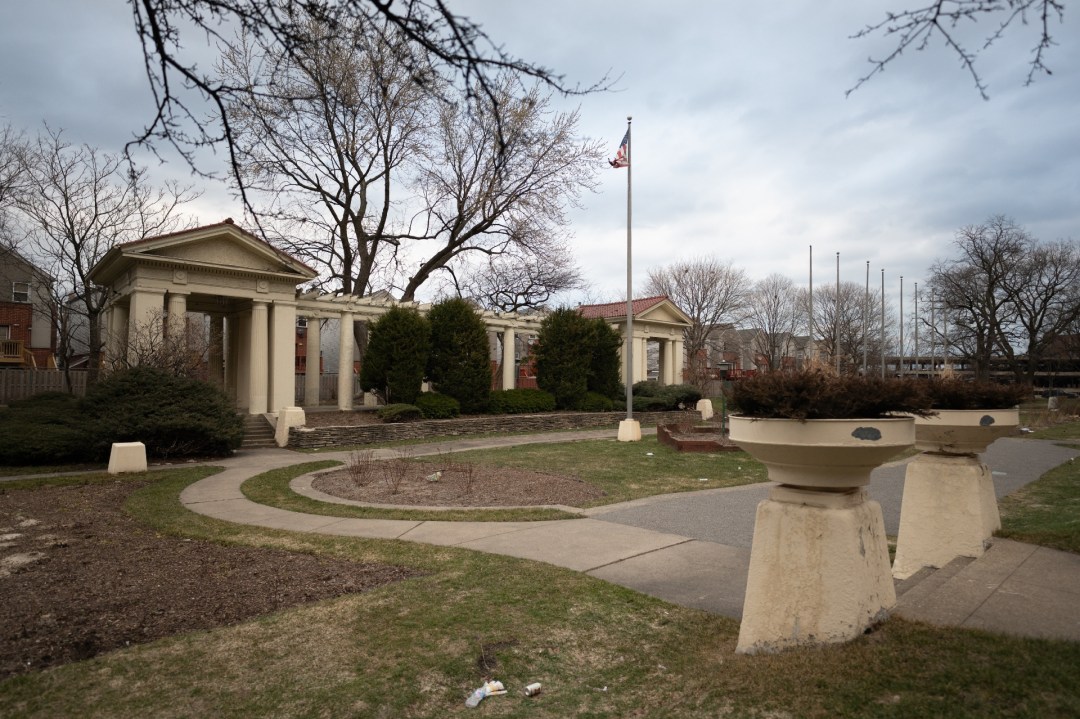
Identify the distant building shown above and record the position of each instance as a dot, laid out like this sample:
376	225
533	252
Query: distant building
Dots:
27	314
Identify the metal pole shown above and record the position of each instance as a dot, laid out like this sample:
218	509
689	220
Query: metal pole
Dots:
933	332
900	361
836	317
811	351
882	323
917	362
629	285
866	321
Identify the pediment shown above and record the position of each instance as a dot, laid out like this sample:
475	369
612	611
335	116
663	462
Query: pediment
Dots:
221	246
664	313
222	251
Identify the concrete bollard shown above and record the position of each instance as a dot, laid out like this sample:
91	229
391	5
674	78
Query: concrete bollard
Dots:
127	457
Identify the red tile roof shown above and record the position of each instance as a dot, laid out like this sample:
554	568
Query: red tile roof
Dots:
618	309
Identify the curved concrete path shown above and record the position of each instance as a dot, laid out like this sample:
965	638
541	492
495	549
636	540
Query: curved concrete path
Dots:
693	549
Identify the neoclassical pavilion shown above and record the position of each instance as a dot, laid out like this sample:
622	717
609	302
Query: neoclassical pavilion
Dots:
248	289
656	319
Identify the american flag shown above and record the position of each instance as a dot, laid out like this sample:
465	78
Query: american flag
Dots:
621	159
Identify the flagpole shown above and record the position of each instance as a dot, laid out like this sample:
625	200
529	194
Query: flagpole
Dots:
836	319
629	429
629	283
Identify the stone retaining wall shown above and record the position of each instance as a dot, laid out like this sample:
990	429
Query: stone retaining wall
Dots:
313	437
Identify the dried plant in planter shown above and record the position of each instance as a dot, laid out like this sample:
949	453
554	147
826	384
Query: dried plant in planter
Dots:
812	394
962	394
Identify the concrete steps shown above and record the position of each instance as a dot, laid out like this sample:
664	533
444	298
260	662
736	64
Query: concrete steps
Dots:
1013	588
258	434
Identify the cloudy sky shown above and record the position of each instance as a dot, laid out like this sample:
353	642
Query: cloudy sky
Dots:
744	144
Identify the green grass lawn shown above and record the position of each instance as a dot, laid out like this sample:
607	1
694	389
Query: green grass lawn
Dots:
627	470
417	648
624	470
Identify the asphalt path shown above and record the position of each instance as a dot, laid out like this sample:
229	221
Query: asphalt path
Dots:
726	516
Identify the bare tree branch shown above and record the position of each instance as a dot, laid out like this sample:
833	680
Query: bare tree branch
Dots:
918	27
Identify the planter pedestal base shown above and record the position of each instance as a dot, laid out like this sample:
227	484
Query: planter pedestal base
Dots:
629	431
819	570
949	510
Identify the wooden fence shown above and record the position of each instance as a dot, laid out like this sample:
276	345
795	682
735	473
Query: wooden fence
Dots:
18	384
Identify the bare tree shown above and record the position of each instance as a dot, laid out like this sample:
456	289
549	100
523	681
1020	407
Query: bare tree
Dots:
324	151
350	144
485	196
856	330
777	314
181	349
1044	291
455	51
974	287
76	203
518	280
943	20
12	148
711	292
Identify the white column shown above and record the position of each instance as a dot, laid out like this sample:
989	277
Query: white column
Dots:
509	373
144	313
216	353
345	362
115	349
312	379
177	308
641	360
678	362
283	356
258	369
667	361
240	357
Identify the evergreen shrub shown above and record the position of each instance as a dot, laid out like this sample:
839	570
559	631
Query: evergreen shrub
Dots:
173	416
520	401
399	413
437	406
43	429
596	402
459	363
396	355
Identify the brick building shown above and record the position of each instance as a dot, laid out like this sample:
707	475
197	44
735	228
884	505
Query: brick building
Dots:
27	316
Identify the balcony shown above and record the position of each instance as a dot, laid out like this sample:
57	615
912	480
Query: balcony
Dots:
12	352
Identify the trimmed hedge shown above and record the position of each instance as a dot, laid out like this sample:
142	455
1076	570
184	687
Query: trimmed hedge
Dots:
438	406
399	413
520	401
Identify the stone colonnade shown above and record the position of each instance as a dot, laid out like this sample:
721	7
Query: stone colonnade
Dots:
251	347
246	292
671	357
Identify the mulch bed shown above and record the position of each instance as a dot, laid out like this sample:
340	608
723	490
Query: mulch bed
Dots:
458	484
79	577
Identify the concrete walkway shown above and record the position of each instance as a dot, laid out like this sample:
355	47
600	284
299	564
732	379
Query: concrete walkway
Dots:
693	549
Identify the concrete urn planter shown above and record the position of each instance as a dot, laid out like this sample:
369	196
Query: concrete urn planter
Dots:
819	564
964	431
822	453
949	508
